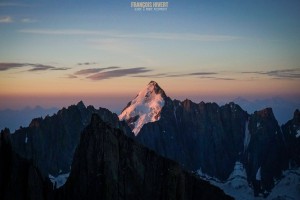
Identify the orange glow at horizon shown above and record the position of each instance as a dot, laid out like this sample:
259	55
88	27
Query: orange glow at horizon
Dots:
50	90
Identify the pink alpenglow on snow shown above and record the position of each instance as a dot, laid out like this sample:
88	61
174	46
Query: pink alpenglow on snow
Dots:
144	108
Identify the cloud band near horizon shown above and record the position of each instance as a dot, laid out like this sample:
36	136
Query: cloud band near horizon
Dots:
34	67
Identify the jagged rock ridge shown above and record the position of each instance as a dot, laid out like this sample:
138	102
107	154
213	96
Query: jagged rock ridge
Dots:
213	138
51	142
19	178
291	132
264	157
109	165
202	135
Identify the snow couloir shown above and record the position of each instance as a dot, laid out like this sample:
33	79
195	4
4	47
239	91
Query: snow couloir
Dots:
144	108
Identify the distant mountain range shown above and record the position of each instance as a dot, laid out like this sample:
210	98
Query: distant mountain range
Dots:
283	109
14	119
209	140
51	141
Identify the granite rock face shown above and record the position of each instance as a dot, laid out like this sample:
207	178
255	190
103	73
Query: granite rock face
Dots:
266	150
212	138
199	136
109	165
19	178
291	132
50	142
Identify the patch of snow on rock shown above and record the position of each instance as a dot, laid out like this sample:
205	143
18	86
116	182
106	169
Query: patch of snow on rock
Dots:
26	139
258	174
247	136
298	133
60	180
288	188
238	178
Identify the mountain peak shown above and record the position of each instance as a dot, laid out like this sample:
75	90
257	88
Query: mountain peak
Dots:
145	107
156	88
152	82
80	104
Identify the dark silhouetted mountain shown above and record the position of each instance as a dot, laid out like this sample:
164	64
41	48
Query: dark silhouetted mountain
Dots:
291	131
211	138
19	178
205	137
51	141
109	165
266	151
14	119
282	108
199	136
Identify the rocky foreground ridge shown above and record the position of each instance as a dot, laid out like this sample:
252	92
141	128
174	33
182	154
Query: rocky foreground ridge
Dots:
107	165
50	142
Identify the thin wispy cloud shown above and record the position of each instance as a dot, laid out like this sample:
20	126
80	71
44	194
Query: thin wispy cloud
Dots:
33	67
93	70
181	36
40	68
218	78
116	34
205	75
195	74
9	4
71	76
28	20
8	66
112	44
9	19
225	79
200	75
60	68
281	74
65	32
118	73
160	75
104	72
87	63
288	73
6	19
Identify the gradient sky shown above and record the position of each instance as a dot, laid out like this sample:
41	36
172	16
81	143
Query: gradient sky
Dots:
55	53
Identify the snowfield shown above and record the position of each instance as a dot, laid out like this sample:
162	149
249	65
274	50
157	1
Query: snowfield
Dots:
288	188
146	107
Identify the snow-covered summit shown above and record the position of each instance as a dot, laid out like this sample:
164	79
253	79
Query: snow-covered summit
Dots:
144	108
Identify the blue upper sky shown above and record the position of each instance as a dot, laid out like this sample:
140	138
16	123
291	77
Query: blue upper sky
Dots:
201	41
261	30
